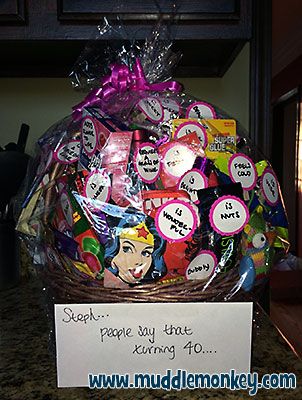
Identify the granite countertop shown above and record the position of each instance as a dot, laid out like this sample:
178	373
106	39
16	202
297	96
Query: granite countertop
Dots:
27	363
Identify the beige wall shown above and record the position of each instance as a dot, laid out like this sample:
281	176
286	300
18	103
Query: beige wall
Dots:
37	102
41	102
231	93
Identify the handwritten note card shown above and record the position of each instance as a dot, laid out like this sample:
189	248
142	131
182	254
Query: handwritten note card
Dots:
151	338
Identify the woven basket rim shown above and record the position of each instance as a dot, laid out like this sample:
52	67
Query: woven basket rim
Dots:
68	286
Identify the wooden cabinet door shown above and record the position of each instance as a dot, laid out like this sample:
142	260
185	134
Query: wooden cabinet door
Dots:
137	10
12	12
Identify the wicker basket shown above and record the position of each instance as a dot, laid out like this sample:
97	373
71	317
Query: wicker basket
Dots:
70	288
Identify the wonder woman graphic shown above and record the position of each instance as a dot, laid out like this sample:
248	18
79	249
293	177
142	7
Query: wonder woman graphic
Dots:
135	254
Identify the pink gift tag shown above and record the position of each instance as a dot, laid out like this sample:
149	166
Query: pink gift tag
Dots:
152	108
98	186
191	126
201	110
89	135
202	266
147	163
229	215
269	187
242	169
191	182
176	221
68	153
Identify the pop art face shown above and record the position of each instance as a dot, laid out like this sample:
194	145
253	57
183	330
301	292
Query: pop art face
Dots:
133	260
136	253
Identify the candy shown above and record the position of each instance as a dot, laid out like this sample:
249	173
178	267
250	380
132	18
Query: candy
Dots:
217	237
144	184
178	157
257	249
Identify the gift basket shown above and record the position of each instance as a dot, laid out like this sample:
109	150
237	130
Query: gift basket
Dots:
146	194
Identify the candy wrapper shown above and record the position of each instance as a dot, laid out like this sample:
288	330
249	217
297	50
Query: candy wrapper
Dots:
143	186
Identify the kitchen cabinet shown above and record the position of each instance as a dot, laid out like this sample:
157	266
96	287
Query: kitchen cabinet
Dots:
134	10
44	33
43	38
12	12
206	19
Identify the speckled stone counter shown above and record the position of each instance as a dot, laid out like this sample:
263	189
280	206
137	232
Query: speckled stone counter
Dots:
28	371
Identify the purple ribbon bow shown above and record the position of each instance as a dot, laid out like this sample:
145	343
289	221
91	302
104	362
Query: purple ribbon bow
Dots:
121	80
